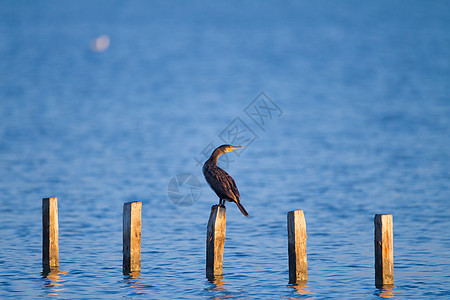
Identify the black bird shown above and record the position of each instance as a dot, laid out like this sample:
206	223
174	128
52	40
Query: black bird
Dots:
220	181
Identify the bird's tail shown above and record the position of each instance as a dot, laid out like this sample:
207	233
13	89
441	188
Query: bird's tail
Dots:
242	209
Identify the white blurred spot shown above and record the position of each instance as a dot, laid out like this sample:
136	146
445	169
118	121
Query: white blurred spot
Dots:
100	43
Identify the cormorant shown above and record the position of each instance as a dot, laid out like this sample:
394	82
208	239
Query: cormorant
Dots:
220	181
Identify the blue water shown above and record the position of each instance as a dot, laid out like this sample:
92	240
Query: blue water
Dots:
362	128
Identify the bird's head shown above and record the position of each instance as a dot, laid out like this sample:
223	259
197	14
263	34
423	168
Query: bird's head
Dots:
227	148
222	150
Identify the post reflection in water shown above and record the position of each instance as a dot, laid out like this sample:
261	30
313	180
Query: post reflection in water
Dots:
52	277
301	288
132	278
136	282
386	291
217	283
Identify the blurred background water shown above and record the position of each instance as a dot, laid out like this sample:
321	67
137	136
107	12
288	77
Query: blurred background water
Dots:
104	102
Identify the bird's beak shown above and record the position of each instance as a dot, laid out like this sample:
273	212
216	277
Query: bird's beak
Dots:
234	148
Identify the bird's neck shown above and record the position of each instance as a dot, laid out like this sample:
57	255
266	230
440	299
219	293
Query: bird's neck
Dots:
215	156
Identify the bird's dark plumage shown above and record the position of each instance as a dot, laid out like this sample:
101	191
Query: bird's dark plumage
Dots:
220	181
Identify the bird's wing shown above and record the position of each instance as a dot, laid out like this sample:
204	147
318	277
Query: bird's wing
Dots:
223	183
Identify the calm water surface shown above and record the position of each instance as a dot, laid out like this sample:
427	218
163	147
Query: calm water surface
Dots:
365	125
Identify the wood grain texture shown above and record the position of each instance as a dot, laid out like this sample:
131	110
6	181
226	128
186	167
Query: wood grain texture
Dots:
215	241
132	236
298	265
384	251
50	247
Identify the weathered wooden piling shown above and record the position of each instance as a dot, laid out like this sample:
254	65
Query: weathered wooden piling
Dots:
132	237
298	269
215	241
50	247
384	251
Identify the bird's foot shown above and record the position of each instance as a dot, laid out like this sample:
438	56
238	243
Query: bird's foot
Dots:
218	205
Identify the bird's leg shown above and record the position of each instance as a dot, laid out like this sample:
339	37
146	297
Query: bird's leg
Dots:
220	202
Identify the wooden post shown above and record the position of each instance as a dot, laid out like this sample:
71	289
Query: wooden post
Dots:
298	269
50	248
384	251
132	237
215	241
